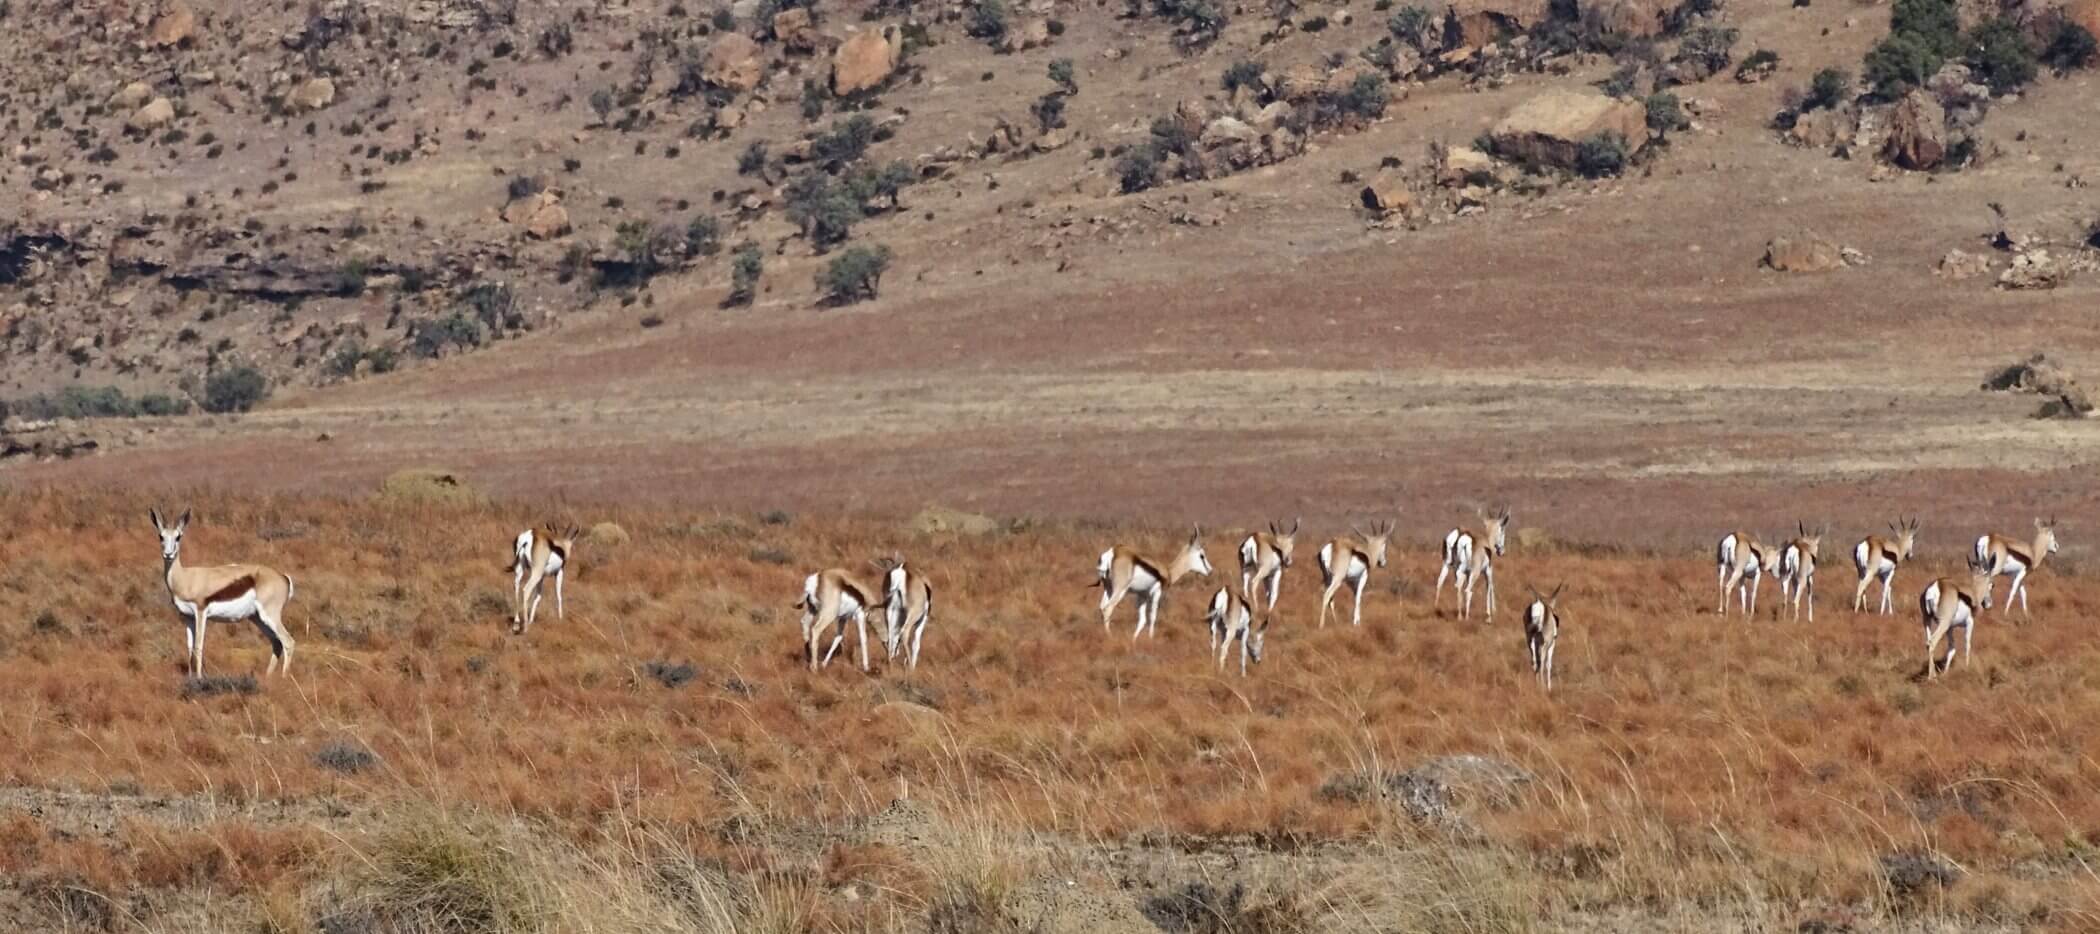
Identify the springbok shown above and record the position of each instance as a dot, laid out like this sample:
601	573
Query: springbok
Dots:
834	597
539	552
1796	570
1954	603
2008	558
1743	562
1541	631
1123	572
1263	558
1349	560
907	608
1877	559
230	592
1471	558
1232	616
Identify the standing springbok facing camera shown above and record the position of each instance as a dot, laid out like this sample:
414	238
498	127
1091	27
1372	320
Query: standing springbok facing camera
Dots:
1348	561
907	608
230	592
1743	562
1796	570
1232	615
1954	603
1877	558
539	552
1472	558
834	597
1541	631
1263	558
1123	572
2016	559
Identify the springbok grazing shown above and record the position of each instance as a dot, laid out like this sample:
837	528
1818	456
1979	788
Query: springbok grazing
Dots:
1743	563
834	597
1232	616
230	592
539	552
1471	558
1954	603
2016	559
1795	568
1541	631
1263	558
1349	560
1123	572
907	608
1878	557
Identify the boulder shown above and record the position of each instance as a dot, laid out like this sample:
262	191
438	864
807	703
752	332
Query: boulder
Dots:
1479	22
176	25
1551	127
734	63
1961	264
1301	83
1227	130
1632	19
1803	252
1464	166
1917	137
1031	33
1821	129
1387	193
1269	118
864	61
131	96
541	216
2036	269
313	94
796	30
154	114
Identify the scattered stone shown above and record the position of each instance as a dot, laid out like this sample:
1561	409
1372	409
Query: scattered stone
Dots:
864	61
2042	376
1803	252
735	62
1031	33
1917	137
311	95
1961	264
1051	141
131	96
1632	19
2038	269
1227	130
1822	129
1387	193
1465	166
1480	22
796	30
175	26
1551	127
153	115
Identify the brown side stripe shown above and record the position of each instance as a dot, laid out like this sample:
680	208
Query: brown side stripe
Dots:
234	590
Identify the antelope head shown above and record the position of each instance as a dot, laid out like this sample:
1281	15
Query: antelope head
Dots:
1197	560
170	536
1498	531
1286	541
1375	542
2045	537
1980	576
1906	536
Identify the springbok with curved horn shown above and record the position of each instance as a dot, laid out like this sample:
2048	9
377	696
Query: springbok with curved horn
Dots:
908	607
1123	572
834	597
1743	563
1796	570
539	552
1877	558
230	592
1232	616
1472	558
1541	631
1263	558
1954	603
2017	559
1349	560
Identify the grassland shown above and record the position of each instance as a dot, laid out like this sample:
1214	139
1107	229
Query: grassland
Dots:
659	761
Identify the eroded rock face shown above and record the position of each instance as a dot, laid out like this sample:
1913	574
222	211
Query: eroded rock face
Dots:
1633	19
1803	252
1917	137
735	62
313	94
1551	127
864	61
1480	22
176	25
154	115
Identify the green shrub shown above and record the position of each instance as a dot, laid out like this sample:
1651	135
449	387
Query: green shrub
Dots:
1601	156
1138	169
745	269
1934	23
703	235
1665	112
1242	74
1049	111
1901	62
1829	88
160	403
825	211
1366	96
848	140
988	21
753	159
431	337
235	389
2000	56
854	274
2070	46
1415	26
1709	47
1061	72
94	402
1761	58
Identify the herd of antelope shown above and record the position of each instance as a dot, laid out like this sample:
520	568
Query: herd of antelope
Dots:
1239	611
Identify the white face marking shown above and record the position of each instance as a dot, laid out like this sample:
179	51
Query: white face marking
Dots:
1202	561
170	543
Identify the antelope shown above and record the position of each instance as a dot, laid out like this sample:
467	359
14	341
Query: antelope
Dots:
1954	603
1541	631
1877	558
833	597
231	592
2006	557
1796	570
1743	562
1349	560
1123	572
1471	558
907	608
1232	615
539	552
1263	558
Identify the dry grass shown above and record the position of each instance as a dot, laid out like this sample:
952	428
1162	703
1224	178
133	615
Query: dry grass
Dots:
1745	774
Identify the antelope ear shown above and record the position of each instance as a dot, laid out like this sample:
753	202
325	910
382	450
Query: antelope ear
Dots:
155	515
1294	524
183	522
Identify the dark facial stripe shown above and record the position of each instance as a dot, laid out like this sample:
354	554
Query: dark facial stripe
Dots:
234	590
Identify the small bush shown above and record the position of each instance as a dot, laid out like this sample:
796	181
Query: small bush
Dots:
848	140
431	337
95	402
1242	74
825	211
1138	169
235	389
2070	46
2000	56
855	274
1063	75
988	21
344	756
1710	48
1049	111
218	685
1665	113
1899	63
1366	96
703	235
1314	24
1415	26
669	675
1601	156
753	159
745	269
525	186
1829	88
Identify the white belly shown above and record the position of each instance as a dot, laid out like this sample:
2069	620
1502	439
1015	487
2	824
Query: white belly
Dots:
553	561
1357	568
239	608
1141	580
849	605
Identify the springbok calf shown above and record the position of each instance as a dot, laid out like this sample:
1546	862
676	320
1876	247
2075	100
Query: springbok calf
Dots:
1123	572
2016	559
1954	603
1876	558
1263	558
538	553
1541	631
1349	560
1471	558
1743	562
1232	615
230	592
834	597
1796	570
907	608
